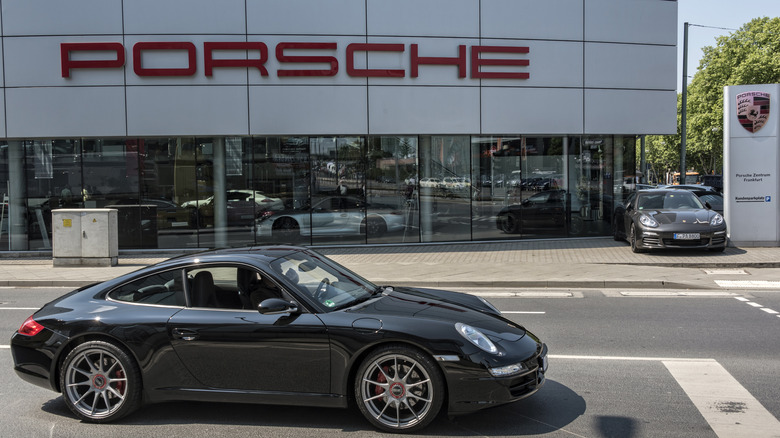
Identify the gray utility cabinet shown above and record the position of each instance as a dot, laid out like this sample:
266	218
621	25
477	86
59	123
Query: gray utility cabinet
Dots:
85	237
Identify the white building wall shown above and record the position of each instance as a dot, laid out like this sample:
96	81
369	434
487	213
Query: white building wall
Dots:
596	67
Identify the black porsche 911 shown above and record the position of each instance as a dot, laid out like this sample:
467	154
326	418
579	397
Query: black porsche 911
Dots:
275	325
667	218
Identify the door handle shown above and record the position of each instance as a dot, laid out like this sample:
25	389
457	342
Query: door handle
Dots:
184	334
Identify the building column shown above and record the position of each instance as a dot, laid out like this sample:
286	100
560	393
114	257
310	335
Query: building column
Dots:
220	194
17	226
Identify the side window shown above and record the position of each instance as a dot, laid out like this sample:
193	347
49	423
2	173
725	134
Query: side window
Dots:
163	289
231	287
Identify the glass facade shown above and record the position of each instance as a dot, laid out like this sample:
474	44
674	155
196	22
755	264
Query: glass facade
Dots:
204	192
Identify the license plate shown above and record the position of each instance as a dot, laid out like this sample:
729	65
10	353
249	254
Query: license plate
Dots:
687	236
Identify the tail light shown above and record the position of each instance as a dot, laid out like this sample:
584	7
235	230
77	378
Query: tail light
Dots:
30	327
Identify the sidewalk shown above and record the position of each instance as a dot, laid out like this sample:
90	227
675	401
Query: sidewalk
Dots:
574	263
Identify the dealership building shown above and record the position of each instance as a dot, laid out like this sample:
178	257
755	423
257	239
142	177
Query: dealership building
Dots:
236	122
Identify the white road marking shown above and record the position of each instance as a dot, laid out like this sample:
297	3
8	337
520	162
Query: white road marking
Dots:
743	299
629	358
675	293
728	407
769	311
2	347
19	308
750	303
748	284
524	313
725	272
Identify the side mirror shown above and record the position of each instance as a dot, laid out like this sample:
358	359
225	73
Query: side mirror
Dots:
707	204
276	306
629	207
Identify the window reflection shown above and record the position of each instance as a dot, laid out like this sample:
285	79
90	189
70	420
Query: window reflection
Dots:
228	191
282	172
445	188
393	196
338	213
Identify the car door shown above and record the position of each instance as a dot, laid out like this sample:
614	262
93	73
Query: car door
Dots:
237	348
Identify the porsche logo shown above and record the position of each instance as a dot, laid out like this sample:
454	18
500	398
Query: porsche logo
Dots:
753	110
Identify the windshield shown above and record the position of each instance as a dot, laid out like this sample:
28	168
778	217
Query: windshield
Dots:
328	284
676	200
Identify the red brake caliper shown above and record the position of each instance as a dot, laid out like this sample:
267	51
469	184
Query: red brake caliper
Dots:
380	378
120	386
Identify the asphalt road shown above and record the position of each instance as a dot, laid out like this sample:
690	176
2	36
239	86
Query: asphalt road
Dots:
620	366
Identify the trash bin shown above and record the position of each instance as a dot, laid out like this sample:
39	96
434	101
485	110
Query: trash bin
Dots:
84	237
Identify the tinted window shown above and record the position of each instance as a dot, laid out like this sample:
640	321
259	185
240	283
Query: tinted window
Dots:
164	289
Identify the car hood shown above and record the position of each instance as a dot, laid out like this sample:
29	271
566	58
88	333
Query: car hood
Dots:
698	216
445	307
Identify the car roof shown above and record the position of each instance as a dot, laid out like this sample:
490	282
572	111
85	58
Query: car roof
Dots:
262	254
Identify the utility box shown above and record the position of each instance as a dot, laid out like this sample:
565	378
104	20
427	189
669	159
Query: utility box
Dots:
85	237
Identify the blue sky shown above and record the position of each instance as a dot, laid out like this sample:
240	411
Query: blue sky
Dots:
729	14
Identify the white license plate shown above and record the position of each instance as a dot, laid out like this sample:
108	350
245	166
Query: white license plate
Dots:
687	236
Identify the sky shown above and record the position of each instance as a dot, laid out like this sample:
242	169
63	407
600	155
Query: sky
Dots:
728	14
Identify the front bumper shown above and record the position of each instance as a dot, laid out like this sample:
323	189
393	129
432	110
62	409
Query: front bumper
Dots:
650	239
471	390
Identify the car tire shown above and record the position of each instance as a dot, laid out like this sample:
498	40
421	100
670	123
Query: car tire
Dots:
577	226
510	224
100	382
399	389
615	234
286	229
374	227
632	240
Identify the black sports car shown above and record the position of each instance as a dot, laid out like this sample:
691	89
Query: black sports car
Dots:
276	325
668	218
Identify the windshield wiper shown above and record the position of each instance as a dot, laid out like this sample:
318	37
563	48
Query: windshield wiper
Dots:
381	289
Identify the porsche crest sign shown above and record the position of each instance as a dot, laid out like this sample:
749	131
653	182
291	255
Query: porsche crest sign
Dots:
753	110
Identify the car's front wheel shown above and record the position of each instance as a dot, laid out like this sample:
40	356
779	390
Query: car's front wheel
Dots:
100	382
633	240
399	389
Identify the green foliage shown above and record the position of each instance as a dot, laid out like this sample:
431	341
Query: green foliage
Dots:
750	55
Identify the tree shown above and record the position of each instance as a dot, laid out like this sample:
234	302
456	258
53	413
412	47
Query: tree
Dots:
750	55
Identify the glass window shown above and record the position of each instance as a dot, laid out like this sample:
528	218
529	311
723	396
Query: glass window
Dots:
281	173
392	197
163	289
111	179
167	182
53	169
338	210
590	168
522	187
445	188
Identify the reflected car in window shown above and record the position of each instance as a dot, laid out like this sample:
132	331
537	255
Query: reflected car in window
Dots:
243	207
332	216
542	211
707	194
668	218
276	325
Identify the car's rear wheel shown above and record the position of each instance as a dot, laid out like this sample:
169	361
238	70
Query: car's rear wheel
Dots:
374	226
286	229
399	389
100	382
510	224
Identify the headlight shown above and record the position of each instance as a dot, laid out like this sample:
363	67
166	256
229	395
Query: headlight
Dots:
476	337
648	221
716	220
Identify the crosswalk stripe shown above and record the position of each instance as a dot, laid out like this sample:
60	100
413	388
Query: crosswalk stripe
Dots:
728	407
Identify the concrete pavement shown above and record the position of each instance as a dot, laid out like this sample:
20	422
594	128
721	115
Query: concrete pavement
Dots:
569	264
